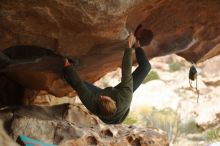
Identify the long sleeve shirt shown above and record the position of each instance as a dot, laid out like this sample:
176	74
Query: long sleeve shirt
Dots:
122	93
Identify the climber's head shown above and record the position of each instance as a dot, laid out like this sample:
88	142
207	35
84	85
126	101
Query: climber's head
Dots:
106	106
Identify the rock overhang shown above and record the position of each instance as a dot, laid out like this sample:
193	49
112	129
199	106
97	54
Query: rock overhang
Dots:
95	32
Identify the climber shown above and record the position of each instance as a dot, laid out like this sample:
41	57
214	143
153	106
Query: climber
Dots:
112	104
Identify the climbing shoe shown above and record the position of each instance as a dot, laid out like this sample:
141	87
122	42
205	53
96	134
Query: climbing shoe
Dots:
144	36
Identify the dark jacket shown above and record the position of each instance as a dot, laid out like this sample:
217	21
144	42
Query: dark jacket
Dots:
122	93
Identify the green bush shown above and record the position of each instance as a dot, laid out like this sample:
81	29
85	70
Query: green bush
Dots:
167	120
153	75
175	66
131	119
214	134
190	127
136	117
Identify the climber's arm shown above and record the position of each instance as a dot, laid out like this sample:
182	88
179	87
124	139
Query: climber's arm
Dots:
143	68
126	79
85	94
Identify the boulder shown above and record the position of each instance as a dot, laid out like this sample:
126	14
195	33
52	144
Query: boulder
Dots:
73	125
4	138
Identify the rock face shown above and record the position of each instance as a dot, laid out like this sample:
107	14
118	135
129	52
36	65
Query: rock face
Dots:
71	125
88	30
188	28
4	138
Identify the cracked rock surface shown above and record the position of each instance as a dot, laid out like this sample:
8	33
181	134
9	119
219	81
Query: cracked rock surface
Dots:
73	125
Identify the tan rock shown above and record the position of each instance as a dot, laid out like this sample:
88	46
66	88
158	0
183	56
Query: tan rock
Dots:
71	125
89	30
5	140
